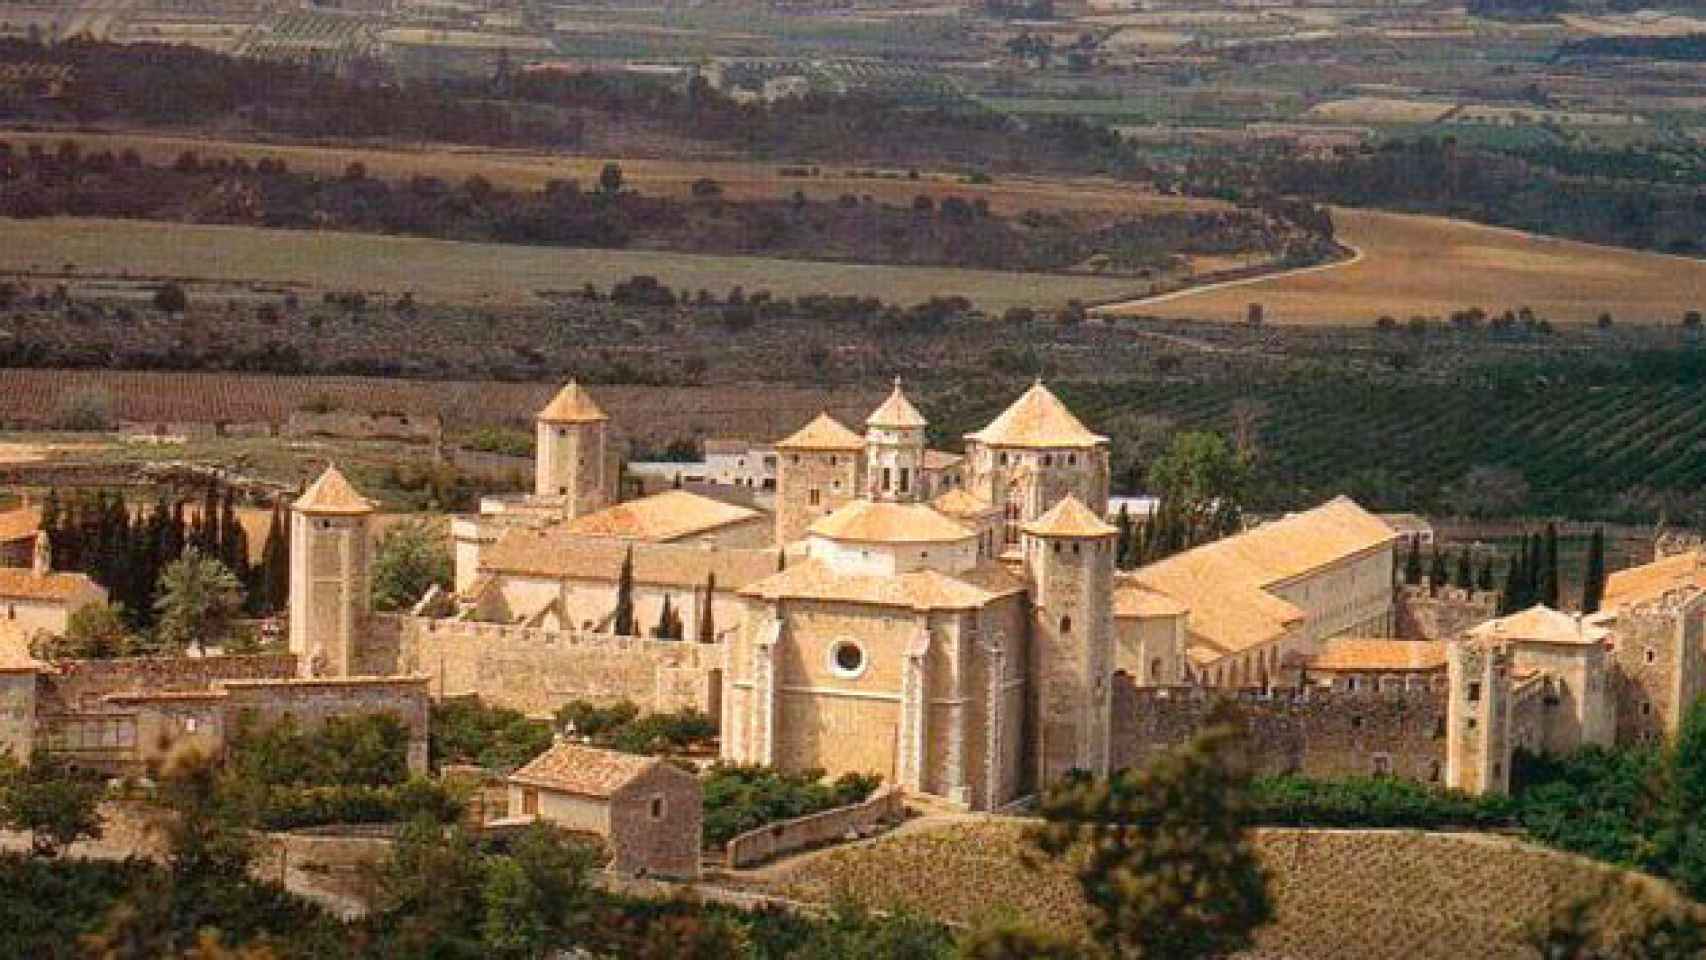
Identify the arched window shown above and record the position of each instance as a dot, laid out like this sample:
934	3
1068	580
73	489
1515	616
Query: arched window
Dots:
1065	626
1155	670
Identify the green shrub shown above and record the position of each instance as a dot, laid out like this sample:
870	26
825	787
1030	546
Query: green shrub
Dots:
469	731
366	750
1295	801
289	808
738	799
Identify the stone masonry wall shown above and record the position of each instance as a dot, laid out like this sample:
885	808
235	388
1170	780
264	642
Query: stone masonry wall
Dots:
78	685
1312	732
537	671
759	845
1422	615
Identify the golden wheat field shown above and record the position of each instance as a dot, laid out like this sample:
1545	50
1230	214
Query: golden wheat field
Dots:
443	271
739	179
1386	895
1432	266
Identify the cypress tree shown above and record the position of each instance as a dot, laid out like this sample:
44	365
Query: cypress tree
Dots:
661	631
1532	568
233	542
50	518
1593	587
176	536
1437	575
1465	569
1123	547
1485	580
623	621
275	564
209	537
1413	562
1515	579
707	625
1549	568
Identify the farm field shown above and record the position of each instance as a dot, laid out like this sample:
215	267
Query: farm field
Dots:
740	180
486	274
1432	266
1352	895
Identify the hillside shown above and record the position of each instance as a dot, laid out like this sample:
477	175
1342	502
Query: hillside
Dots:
1349	895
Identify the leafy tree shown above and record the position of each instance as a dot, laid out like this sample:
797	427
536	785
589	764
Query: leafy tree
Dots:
1465	570
412	558
1593	585
1167	869
50	802
95	631
1202	483
1018	941
851	932
199	600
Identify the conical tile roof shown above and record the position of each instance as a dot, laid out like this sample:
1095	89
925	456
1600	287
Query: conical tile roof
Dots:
332	494
1037	419
1070	518
897	413
572	405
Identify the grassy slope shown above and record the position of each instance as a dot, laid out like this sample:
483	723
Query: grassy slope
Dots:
1399	895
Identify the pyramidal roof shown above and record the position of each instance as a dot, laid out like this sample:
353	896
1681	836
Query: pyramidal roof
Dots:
332	494
872	521
1070	518
1037	419
572	405
960	502
897	413
823	433
1541	623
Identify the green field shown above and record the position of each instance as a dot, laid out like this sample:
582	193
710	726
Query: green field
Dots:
474	273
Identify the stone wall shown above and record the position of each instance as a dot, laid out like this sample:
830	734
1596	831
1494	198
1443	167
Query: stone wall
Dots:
76	686
357	425
310	703
775	839
537	671
1310	731
1660	664
1424	615
17	712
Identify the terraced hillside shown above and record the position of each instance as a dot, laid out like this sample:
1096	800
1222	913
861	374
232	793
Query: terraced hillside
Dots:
1350	895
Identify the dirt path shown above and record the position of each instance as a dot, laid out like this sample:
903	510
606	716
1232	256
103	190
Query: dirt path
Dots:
1136	306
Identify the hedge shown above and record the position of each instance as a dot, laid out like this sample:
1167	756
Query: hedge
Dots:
1293	801
287	808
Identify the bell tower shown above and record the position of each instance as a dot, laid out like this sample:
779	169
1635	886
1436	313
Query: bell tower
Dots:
894	450
1069	553
570	452
330	583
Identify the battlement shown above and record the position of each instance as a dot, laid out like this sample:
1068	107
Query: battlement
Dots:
1423	613
1447	593
682	653
1281	696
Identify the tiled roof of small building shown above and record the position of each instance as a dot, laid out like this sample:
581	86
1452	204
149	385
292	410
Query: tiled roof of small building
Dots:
571	405
897	413
873	521
919	590
960	502
556	554
22	583
588	771
1037	419
1649	580
665	516
19	524
1542	624
1070	518
332	494
823	433
1357	654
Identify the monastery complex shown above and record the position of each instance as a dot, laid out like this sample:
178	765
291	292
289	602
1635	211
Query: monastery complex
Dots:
953	622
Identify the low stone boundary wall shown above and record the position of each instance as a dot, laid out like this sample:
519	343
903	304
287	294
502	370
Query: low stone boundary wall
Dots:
774	839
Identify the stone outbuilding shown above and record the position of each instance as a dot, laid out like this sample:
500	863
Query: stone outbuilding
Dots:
648	810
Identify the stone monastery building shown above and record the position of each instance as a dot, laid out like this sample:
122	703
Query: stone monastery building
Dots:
956	624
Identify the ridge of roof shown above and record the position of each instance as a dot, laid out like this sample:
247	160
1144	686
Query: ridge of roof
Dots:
1542	624
333	494
1037	419
23	583
664	516
897	413
557	554
876	521
1070	518
960	502
571	405
917	590
824	432
589	771
1374	653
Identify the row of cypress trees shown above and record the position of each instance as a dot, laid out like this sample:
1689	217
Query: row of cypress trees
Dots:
124	549
670	625
1531	576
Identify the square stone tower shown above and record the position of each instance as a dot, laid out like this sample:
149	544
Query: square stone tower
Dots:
894	450
1069	553
820	469
1478	716
569	462
330	581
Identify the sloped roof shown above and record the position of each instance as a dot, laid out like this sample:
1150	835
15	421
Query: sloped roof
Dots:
571	405
897	413
919	590
942	459
1070	518
1542	624
1649	580
660	517
1358	653
556	554
21	583
823	433
588	771
960	502
19	523
332	494
873	521
1133	600
1226	583
1037	419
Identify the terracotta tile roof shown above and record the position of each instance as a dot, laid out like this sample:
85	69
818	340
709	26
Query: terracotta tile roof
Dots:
21	583
1650	580
1356	653
1037	419
1542	624
19	524
571	405
1133	600
897	413
588	771
1070	518
920	590
960	502
872	521
823	433
332	494
555	554
1226	583
942	459
661	517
